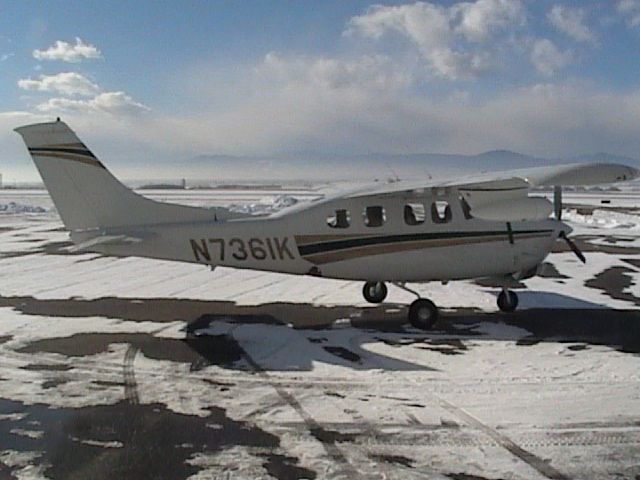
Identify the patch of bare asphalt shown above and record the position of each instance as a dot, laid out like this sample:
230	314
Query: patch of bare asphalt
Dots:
47	367
445	346
618	329
128	441
613	281
588	209
499	283
343	353
201	312
549	270
394	459
50	248
466	476
197	351
583	243
5	472
632	261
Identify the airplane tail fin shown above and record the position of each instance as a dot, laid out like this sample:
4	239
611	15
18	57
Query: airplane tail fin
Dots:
86	195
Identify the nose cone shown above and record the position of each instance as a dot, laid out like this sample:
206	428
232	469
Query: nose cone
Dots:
633	173
563	227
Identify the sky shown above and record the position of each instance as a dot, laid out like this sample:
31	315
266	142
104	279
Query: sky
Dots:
150	84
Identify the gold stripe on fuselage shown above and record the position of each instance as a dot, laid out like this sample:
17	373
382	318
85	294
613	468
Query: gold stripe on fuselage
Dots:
381	249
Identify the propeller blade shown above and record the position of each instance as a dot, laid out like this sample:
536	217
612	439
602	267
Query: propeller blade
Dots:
574	248
557	201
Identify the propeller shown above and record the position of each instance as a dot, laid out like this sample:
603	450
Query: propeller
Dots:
557	202
574	248
557	209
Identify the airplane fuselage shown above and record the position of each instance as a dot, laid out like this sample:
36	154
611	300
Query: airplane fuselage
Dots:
302	242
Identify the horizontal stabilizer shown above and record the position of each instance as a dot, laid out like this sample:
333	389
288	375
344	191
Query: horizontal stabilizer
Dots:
104	240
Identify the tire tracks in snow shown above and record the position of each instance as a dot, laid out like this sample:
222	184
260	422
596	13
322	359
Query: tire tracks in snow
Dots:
505	442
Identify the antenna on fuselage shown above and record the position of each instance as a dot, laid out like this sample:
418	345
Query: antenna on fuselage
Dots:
395	177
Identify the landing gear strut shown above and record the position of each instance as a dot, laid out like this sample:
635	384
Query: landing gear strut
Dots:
374	292
507	300
423	313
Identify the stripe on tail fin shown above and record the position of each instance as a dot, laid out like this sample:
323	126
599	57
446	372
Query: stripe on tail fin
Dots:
87	196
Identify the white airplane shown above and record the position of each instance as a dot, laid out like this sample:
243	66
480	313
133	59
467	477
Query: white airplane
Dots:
406	231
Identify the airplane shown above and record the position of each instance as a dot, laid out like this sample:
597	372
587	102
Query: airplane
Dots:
483	226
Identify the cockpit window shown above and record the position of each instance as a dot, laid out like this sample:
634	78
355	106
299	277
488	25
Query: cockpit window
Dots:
441	211
414	213
340	219
374	216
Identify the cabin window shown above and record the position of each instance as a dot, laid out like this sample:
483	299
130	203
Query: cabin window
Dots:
466	209
374	216
340	219
441	211
414	213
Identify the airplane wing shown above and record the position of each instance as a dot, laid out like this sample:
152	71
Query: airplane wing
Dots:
504	196
570	174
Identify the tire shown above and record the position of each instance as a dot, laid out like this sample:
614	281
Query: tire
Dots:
423	314
507	302
374	292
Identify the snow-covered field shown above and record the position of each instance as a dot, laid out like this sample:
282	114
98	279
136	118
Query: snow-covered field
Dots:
133	368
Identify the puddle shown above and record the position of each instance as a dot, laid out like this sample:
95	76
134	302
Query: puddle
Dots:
127	441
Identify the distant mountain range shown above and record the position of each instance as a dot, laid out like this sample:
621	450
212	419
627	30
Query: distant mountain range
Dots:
368	166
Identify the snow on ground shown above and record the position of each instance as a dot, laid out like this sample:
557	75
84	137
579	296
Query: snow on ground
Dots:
175	371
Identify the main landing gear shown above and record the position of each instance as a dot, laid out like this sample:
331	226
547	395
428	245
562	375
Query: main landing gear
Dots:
374	292
423	313
507	300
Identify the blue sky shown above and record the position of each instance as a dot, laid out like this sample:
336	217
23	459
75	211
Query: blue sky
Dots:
161	82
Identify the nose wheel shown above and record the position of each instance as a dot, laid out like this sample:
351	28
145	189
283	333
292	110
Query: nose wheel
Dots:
374	292
507	300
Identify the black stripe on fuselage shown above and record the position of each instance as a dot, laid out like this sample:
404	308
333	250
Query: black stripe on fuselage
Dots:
336	245
75	151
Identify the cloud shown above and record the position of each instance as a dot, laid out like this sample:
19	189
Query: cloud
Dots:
67	52
66	83
630	9
115	103
367	71
299	111
547	58
447	38
571	21
547	120
477	20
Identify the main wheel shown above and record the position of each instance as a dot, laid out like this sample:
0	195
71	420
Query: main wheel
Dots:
507	301
374	292
423	314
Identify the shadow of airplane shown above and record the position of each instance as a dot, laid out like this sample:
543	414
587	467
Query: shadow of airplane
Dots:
291	337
